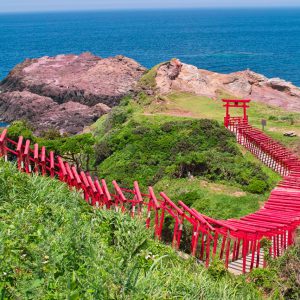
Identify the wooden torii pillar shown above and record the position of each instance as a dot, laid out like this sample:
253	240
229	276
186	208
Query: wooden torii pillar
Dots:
236	103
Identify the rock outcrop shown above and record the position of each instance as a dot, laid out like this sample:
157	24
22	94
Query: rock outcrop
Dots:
244	84
44	113
66	92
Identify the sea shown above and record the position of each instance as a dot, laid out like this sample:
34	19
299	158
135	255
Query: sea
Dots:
3	124
266	41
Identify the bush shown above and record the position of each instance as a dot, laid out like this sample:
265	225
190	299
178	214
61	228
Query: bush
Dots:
257	186
190	197
20	128
117	116
102	151
273	118
288	268
265	279
50	134
143	99
217	269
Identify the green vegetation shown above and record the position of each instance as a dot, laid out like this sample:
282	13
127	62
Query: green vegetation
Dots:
77	149
175	154
213	199
281	278
287	269
148	79
278	120
54	246
20	128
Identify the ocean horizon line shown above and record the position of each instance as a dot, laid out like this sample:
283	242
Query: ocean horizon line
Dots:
256	8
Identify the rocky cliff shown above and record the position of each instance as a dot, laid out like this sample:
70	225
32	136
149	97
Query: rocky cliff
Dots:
66	92
177	76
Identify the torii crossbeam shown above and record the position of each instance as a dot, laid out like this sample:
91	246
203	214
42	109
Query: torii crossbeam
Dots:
236	103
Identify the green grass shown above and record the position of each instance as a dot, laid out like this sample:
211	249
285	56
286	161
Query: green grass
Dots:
54	246
215	200
189	105
148	79
218	200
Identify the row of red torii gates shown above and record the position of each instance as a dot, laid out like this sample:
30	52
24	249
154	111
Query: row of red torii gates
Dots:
238	242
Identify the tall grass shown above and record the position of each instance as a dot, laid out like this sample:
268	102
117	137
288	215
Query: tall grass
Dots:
55	246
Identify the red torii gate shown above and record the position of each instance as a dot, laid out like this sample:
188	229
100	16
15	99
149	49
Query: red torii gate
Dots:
236	103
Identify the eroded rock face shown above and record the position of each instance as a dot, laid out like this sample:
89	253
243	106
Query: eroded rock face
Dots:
66	92
23	105
70	117
244	84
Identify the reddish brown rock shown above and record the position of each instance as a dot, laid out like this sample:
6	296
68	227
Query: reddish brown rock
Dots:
23	105
50	87
44	113
70	117
244	84
84	78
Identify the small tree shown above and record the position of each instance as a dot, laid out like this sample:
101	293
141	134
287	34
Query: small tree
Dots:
77	149
20	128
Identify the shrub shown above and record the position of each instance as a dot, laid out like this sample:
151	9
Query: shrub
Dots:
21	128
190	197
273	118
217	269
257	186
265	279
288	268
143	99
102	151
117	116
148	151
50	134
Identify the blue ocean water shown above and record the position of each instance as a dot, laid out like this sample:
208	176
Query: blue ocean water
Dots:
266	41
3	124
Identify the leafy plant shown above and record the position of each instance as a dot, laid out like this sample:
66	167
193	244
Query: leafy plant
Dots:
217	269
265	279
20	128
257	186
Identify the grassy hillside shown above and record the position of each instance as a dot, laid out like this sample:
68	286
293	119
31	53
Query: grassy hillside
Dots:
188	105
194	160
54	246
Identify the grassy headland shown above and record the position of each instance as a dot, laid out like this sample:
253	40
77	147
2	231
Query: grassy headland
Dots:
194	160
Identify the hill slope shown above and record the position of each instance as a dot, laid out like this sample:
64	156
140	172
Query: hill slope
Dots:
197	161
55	246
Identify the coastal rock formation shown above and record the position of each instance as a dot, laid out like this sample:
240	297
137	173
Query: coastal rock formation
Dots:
243	84
69	92
64	91
44	113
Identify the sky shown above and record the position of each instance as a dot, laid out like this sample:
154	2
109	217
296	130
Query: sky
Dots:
65	5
